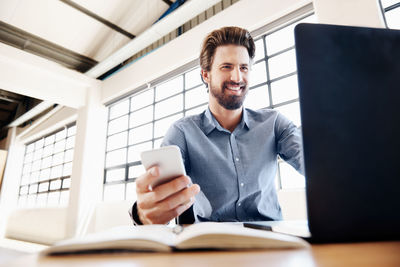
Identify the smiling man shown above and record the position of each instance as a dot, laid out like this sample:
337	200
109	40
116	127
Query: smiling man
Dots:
229	152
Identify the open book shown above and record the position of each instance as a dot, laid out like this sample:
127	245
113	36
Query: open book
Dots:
208	235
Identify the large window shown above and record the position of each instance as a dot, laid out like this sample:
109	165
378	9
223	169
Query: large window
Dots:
392	13
140	121
46	173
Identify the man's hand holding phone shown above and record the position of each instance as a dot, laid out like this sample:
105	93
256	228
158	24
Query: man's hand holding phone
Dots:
163	191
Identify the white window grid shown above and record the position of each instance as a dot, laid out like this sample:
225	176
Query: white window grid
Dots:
273	85
391	10
46	171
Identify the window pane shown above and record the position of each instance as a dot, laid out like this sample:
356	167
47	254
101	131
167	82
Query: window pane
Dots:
53	198
115	175
35	166
114	192
387	3
393	18
70	142
192	78
258	74
141	116
140	134
38	154
116	157
66	183
282	64
25	179
41	199
196	97
142	99
157	143
284	90
64	197
61	135
71	130
23	190
56	171
119	109
49	140
118	125
58	158
257	98
280	39
67	169
292	112
39	144
161	126
30	148
47	150
117	141
33	188
290	178
55	185
134	151
44	175
43	187
28	158
169	88
68	155
59	146
169	106
131	191
259	49
136	171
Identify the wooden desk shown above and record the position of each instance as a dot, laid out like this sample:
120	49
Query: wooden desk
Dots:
379	254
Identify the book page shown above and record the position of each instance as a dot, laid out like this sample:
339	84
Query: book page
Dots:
233	236
143	237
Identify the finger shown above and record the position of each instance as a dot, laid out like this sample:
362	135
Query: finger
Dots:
146	179
165	190
179	198
154	216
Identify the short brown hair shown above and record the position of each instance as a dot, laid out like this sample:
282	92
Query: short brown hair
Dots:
224	36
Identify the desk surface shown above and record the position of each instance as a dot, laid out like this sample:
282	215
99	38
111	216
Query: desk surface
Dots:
357	254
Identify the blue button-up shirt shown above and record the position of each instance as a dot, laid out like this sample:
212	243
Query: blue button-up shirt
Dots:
236	170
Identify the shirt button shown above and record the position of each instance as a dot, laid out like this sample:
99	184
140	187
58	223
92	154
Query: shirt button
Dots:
239	204
237	159
241	184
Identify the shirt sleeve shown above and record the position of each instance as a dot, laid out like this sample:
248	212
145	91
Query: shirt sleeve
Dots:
175	136
289	142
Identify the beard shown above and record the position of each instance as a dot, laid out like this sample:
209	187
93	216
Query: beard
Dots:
230	102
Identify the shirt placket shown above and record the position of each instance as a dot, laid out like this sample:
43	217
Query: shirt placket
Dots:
240	179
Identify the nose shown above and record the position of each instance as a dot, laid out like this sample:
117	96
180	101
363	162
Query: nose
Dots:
236	75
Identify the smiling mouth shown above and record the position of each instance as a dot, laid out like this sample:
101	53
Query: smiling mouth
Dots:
235	89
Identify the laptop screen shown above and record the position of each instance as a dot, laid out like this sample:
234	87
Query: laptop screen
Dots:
349	88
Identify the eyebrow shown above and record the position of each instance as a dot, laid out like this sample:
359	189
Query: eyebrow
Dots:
230	64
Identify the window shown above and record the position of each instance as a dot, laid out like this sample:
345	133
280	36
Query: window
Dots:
46	172
392	13
140	121
274	85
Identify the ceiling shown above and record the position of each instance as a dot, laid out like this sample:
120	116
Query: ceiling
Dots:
75	33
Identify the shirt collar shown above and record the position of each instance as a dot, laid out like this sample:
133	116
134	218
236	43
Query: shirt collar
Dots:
210	122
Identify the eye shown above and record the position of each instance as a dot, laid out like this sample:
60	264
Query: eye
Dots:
244	68
226	67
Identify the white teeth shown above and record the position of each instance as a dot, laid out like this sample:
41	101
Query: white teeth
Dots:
234	88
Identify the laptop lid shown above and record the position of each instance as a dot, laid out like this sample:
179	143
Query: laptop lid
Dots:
349	88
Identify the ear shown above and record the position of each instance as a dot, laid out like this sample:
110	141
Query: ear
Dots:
206	76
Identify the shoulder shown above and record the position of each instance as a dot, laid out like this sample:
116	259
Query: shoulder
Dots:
188	122
263	114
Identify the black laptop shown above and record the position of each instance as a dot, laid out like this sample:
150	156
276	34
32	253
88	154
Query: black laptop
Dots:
349	87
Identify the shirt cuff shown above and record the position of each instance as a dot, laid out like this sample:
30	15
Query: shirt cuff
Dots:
133	212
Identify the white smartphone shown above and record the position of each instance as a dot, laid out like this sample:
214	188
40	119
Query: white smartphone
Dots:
169	162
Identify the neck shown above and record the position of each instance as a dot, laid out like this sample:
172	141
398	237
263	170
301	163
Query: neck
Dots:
228	119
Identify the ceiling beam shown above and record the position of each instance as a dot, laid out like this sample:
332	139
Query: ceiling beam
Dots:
98	18
18	38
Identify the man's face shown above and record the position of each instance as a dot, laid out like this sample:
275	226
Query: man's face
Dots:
228	77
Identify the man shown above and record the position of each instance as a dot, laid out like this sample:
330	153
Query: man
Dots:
230	153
